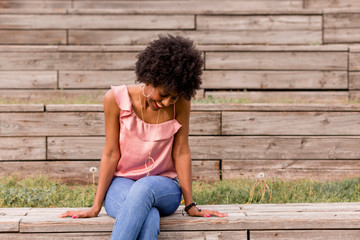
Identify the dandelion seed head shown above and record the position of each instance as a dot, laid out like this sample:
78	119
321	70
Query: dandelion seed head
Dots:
93	169
261	175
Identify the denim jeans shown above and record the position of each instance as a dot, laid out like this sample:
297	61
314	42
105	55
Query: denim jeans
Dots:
138	205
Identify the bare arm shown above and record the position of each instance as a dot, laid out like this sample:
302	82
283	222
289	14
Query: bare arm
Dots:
182	159
109	159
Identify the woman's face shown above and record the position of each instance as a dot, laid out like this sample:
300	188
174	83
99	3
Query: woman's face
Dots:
160	97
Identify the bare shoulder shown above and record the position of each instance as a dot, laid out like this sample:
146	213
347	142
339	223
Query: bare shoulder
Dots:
110	102
182	106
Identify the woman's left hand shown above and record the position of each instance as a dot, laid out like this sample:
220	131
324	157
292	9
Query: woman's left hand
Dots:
194	212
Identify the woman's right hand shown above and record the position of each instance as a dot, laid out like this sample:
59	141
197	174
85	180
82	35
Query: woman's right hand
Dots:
80	214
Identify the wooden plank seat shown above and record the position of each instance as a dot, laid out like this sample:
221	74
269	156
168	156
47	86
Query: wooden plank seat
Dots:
252	221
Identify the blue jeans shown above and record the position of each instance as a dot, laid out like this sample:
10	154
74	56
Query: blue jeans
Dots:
138	205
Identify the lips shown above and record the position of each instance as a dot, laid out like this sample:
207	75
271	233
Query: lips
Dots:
156	105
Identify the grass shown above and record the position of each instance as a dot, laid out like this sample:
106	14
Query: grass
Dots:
45	192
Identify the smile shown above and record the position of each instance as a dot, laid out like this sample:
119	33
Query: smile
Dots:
156	105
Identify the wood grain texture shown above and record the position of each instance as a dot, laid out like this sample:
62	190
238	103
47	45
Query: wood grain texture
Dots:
10	224
21	107
301	97
28	79
257	23
321	4
306	234
277	61
67	60
22	148
354	61
95	79
189	6
19	21
32	37
274	80
74	108
52	124
184	235
282	123
341	19
354	80
56	236
199	36
342	35
291	169
35	4
275	148
206	170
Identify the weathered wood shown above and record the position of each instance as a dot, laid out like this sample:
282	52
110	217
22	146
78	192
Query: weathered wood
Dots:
274	80
9	224
321	4
212	126
95	79
283	96
273	107
189	6
50	124
342	35
257	23
35	4
282	123
22	148
277	61
206	170
341	19
53	96
67	60
306	234
354	61
28	79
67	171
354	80
184	235
32	36
56	236
18	21
74	108
199	36
291	169
78	171
13	211
275	148
354	48
21	107
354	96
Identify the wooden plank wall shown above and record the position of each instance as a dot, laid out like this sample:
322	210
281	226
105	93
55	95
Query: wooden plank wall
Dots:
64	141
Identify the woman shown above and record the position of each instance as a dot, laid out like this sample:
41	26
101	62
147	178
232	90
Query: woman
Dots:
147	153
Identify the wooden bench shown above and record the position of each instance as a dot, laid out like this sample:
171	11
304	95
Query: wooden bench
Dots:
253	221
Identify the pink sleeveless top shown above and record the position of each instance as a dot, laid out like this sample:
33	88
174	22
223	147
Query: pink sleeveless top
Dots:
136	139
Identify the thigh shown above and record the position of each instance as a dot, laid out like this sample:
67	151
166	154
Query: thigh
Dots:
116	195
166	192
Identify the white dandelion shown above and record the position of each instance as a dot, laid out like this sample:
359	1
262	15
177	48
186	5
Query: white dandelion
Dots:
261	175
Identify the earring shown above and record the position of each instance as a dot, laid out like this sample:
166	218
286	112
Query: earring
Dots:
143	91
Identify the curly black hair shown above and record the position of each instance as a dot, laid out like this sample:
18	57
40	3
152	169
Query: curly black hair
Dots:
173	63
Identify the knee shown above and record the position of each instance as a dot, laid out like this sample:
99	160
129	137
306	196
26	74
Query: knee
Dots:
142	190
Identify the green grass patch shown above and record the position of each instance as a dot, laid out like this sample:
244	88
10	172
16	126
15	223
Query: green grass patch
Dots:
45	192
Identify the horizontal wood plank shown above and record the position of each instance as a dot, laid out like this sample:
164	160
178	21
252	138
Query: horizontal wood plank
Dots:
189	6
22	148
208	170
56	236
278	23
282	123
21	107
74	108
341	19
354	61
50	124
67	60
302	97
9	224
277	61
274	80
306	234
322	4
190	235
342	35
95	79
35	4
291	169
272	148
199	36
32	37
28	21
354	80
28	79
